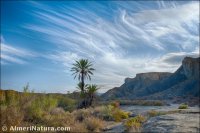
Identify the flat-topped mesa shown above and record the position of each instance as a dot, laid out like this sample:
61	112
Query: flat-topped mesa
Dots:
152	75
127	80
148	76
191	66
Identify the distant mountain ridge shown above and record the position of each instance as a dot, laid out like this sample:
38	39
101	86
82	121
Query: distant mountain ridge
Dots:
160	85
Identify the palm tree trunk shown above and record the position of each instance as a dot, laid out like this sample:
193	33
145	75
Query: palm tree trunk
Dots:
82	81
90	100
82	89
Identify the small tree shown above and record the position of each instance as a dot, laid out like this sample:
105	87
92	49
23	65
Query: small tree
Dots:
26	88
91	90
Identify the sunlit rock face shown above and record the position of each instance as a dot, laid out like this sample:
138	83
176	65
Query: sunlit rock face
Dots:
160	85
191	67
135	87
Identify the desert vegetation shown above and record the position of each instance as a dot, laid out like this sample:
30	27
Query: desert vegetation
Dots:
183	106
153	113
142	102
134	124
28	108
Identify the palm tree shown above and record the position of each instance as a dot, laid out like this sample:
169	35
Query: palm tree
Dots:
82	69
91	89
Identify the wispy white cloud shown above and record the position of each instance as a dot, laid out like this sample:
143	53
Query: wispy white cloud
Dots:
171	61
128	43
10	54
185	12
161	4
12	59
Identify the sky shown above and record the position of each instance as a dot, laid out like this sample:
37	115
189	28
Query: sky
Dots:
40	40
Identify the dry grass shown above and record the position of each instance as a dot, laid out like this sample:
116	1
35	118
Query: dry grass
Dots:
11	115
153	113
142	102
94	124
81	114
78	127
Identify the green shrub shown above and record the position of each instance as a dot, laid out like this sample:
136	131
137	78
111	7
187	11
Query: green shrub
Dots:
103	112
118	115
115	104
183	106
134	124
40	106
66	103
11	98
110	112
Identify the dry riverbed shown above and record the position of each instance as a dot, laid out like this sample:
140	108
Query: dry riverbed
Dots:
187	120
184	121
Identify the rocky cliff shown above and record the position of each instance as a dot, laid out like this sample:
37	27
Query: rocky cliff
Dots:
160	85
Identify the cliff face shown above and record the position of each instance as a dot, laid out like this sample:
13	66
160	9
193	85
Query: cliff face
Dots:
160	85
135	87
152	76
184	82
191	67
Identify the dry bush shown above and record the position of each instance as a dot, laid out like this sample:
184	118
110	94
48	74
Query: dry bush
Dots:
57	111
89	118
11	115
56	120
78	127
81	114
153	113
93	124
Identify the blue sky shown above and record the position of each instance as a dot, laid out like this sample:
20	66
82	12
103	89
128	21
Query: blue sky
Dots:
40	40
